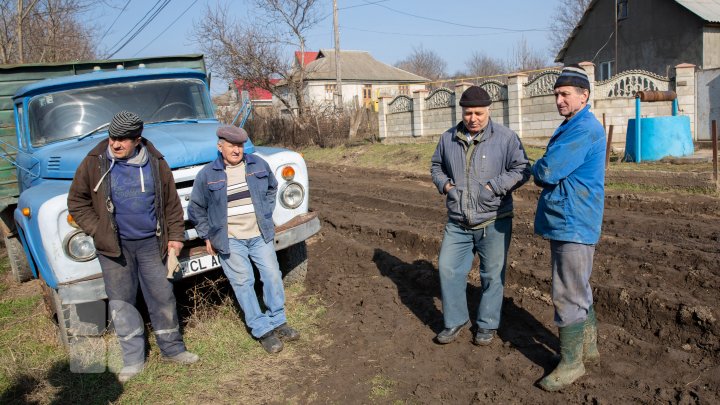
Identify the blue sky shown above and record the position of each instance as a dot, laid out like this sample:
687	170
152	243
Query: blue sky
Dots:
388	29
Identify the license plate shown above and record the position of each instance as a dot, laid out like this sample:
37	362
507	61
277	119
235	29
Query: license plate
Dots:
198	265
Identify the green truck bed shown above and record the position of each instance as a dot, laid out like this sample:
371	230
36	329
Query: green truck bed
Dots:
13	77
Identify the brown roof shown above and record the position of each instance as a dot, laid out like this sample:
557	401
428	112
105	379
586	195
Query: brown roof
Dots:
357	65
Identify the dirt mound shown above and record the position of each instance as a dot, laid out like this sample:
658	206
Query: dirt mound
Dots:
374	264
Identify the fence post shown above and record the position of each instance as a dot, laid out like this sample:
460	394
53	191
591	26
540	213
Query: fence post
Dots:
459	90
608	147
685	90
418	98
516	83
382	117
715	153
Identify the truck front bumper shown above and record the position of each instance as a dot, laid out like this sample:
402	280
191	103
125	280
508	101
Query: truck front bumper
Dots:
296	230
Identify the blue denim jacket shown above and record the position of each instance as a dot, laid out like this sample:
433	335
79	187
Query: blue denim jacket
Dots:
208	202
572	175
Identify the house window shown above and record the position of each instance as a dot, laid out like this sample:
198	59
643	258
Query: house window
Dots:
606	69
330	91
404	89
367	91
622	9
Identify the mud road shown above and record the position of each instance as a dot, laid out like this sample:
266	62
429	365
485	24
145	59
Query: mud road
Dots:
656	282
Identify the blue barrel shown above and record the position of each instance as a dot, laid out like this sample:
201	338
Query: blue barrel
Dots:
659	137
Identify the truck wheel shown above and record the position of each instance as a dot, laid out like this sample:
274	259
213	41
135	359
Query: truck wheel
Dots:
293	263
54	308
18	262
75	321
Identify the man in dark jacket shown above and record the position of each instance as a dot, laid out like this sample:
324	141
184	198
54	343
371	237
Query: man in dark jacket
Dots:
123	195
477	164
231	206
569	214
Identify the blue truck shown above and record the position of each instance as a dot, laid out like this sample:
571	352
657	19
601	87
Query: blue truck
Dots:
51	115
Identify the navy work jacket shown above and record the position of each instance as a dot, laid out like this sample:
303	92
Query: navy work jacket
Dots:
208	202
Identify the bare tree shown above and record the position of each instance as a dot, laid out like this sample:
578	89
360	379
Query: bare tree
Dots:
44	31
424	62
566	16
255	53
525	58
479	65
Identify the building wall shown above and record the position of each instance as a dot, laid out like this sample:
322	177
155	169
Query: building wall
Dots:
656	36
539	116
711	48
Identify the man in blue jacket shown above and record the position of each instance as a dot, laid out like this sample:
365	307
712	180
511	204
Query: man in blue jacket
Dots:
477	164
569	214
231	206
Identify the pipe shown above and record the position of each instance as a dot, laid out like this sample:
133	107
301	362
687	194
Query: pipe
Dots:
638	156
651	96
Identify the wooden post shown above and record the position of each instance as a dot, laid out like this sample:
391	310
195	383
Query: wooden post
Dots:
604	127
715	152
608	147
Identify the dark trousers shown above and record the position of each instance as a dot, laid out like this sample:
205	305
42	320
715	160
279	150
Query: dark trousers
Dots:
141	263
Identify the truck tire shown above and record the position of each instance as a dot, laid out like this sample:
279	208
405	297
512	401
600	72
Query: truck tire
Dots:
18	262
74	321
293	263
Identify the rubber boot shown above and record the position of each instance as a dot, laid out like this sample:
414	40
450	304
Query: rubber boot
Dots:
571	365
591	355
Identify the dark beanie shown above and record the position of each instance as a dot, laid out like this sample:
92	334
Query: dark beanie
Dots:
573	75
124	125
232	134
475	96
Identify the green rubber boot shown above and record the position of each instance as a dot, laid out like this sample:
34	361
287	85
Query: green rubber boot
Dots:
591	355
571	365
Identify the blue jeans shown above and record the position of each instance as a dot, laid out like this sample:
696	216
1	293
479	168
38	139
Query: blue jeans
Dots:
239	271
141	263
571	292
456	256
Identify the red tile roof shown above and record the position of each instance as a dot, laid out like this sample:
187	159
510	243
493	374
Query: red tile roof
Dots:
309	56
256	93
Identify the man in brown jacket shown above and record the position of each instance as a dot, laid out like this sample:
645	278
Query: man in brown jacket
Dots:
123	195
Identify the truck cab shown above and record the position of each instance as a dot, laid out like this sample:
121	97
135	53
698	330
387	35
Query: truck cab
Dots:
58	121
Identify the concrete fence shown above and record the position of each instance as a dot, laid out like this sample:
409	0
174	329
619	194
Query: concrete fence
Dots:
527	104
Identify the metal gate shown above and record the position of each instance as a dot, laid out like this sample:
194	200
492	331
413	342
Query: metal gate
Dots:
708	102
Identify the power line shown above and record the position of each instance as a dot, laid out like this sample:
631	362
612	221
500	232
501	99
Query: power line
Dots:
150	18
166	28
426	35
115	20
454	23
134	26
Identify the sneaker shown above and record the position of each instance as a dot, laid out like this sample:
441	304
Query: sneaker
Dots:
271	343
182	358
287	333
447	335
128	372
484	337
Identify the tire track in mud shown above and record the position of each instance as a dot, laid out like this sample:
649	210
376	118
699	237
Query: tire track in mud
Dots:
655	283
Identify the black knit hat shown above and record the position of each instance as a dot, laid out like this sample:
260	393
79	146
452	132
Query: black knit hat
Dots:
125	125
573	75
475	96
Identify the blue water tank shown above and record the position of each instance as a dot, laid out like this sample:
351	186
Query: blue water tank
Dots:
659	137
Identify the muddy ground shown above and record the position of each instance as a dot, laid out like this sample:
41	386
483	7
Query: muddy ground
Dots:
374	264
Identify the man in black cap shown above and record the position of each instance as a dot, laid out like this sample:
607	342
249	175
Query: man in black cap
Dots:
231	206
477	164
569	214
123	195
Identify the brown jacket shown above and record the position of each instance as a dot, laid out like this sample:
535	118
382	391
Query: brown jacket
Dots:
90	209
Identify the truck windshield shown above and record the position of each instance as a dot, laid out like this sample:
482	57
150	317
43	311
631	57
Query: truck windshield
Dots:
68	114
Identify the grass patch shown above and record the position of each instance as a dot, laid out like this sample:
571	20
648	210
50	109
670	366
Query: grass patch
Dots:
34	368
381	387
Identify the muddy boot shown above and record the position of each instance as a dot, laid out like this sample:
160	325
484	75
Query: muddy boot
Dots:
571	365
590	350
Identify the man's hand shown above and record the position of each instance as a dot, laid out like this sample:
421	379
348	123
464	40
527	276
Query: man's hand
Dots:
487	186
173	244
448	187
209	248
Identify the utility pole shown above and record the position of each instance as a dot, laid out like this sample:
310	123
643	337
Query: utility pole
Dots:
338	84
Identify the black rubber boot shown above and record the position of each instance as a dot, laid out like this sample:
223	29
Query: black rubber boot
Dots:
571	365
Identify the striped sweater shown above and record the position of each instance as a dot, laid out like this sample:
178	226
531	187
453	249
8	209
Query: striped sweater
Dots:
242	223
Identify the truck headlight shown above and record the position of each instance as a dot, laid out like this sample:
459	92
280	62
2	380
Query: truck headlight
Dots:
79	246
291	196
